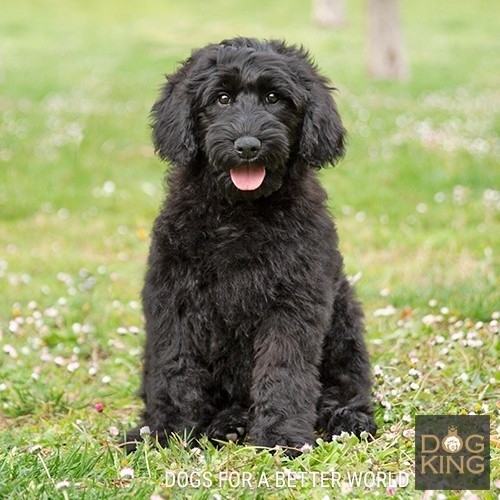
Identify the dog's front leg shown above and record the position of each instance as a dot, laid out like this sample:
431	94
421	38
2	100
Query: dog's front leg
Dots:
285	384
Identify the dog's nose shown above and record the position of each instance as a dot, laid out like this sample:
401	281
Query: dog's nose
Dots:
247	147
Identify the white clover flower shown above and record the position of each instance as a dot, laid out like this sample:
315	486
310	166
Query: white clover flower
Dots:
73	366
345	488
59	360
493	326
389	310
10	350
364	436
428	320
144	431
63	484
51	312
13	326
306	448
127	473
409	433
113	431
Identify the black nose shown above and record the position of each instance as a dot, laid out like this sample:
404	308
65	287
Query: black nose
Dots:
247	147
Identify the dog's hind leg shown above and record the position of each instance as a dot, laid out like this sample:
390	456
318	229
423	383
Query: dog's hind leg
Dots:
345	402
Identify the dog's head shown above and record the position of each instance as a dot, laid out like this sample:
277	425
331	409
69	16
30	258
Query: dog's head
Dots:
249	110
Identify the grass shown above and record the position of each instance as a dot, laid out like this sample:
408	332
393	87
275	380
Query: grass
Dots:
417	202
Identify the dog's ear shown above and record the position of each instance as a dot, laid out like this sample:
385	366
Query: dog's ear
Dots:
173	124
322	139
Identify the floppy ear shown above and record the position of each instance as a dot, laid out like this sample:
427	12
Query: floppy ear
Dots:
322	139
174	135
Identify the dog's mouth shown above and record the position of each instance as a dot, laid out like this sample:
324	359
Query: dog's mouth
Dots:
248	177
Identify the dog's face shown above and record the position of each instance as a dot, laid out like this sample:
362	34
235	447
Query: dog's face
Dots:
246	112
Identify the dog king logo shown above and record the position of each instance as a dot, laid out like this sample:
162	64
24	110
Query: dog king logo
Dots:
452	452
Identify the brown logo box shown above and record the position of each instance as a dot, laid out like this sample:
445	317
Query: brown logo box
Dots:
452	452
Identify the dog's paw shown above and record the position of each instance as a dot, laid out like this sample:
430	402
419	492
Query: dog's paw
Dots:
131	439
292	445
351	421
225	433
230	424
140	434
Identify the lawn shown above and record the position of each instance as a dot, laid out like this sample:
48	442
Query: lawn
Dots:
417	204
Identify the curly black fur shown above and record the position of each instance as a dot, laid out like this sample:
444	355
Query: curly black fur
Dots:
252	327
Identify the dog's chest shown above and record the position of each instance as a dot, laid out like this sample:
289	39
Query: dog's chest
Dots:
232	267
239	268
244	266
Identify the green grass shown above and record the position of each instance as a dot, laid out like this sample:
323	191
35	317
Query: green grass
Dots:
417	204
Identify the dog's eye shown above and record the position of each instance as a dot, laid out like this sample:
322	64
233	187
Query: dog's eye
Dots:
272	98
224	99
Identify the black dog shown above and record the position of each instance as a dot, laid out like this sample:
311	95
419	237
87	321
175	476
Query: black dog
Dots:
252	326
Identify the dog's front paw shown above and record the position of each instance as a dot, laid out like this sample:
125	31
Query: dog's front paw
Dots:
131	439
352	421
226	431
292	444
230	424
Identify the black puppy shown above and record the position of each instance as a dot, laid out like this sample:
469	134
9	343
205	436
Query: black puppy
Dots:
252	327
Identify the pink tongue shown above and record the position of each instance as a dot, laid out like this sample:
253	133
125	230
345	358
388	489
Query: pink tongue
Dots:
248	177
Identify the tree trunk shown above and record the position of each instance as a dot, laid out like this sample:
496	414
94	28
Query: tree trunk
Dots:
386	54
328	13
